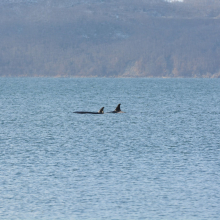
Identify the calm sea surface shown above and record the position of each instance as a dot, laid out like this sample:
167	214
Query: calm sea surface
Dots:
159	160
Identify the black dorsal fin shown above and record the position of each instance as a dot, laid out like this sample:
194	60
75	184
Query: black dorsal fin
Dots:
118	109
101	111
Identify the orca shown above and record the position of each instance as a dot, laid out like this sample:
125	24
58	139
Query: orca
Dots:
101	111
117	110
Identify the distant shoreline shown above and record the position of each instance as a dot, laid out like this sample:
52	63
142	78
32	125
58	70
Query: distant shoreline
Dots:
98	77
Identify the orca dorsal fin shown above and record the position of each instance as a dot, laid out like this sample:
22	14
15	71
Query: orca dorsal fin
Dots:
118	109
101	111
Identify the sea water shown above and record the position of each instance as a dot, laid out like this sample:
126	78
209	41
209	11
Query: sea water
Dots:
159	160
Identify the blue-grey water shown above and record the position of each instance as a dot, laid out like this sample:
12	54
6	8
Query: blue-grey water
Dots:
159	160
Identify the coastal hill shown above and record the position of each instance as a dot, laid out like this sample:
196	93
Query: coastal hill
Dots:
110	38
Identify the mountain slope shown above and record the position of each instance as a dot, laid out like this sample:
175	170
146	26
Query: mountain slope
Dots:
123	38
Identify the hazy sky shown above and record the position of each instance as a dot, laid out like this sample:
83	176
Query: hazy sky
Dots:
174	0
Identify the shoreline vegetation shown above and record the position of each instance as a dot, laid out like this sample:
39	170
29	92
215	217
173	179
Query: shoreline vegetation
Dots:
110	39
